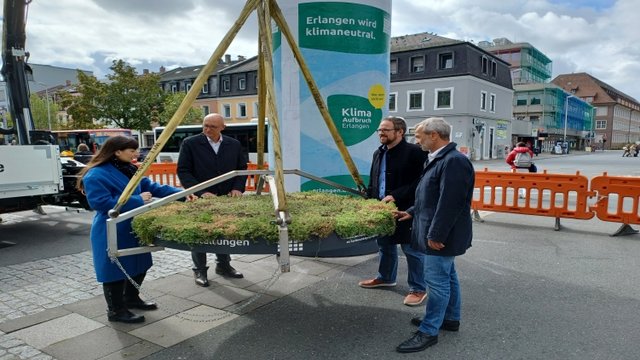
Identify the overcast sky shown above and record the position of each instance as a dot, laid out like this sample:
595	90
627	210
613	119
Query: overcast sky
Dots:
600	37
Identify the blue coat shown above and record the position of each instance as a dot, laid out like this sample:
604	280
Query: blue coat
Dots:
103	185
442	209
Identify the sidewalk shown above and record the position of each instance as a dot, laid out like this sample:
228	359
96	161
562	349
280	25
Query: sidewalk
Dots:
61	313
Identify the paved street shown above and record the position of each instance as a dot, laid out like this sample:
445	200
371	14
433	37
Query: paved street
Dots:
529	292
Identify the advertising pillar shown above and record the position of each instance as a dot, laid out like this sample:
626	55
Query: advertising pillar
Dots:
346	47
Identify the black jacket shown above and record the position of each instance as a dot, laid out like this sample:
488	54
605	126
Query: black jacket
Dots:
404	166
198	162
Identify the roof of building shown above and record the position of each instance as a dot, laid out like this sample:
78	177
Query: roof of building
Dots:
420	41
187	72
609	92
250	64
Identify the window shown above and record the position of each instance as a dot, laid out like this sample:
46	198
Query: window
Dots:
417	63
535	101
485	65
226	85
255	109
187	87
494	68
394	66
521	101
492	103
205	88
392	101
242	110
483	100
601	111
226	110
601	124
415	100
242	83
205	109
445	61
444	99
174	88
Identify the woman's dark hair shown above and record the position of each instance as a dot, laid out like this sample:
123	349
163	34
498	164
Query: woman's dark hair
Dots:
521	144
106	153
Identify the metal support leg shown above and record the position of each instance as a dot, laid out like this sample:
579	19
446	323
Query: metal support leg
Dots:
557	227
283	257
625	229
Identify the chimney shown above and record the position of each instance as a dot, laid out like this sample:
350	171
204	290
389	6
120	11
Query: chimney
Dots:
227	59
241	58
162	69
145	71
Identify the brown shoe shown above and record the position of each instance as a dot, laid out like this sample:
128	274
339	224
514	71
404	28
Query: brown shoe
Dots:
374	283
415	298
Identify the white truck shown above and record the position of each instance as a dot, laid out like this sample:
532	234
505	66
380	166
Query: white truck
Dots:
30	174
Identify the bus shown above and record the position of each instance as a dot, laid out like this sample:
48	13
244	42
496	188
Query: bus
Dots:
246	133
94	138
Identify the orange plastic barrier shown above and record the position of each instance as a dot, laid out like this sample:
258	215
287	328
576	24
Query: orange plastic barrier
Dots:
542	194
164	173
618	193
167	174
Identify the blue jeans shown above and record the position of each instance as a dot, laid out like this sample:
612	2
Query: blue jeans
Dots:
388	268
444	293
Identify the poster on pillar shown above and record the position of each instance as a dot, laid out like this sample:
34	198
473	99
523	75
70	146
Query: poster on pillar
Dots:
345	44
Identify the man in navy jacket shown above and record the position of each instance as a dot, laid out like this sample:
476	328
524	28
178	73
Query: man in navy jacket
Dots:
203	157
395	170
442	227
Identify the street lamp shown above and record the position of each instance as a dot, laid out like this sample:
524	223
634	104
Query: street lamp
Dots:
566	117
46	93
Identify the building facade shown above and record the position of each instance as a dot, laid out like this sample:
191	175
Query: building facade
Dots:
527	64
545	115
238	94
617	115
180	80
469	87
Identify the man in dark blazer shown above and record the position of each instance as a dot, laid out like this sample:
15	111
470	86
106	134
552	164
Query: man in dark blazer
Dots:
441	226
203	157
395	171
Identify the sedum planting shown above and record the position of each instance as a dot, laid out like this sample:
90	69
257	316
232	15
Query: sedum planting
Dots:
250	217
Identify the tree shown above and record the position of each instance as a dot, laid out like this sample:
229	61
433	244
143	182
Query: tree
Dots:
40	111
171	103
129	99
126	99
83	107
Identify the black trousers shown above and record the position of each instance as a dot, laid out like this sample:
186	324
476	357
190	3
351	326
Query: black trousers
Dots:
200	260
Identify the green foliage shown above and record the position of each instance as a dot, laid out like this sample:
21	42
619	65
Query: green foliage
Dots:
171	104
250	217
126	99
40	112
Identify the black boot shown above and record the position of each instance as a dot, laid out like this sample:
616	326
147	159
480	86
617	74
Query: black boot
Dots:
132	295
117	310
200	276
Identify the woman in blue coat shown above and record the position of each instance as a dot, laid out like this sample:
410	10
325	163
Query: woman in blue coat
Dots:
103	181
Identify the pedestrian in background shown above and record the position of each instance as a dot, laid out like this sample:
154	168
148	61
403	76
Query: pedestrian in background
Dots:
395	171
441	227
103	181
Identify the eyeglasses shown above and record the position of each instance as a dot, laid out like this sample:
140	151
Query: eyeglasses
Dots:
385	130
209	126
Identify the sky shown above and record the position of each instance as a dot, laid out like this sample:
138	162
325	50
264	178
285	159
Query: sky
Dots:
599	37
